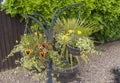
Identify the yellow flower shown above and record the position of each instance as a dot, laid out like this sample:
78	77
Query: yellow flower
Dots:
64	37
70	31
28	51
35	33
79	32
16	41
40	35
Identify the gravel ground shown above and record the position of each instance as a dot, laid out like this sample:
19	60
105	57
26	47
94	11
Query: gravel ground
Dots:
98	70
18	75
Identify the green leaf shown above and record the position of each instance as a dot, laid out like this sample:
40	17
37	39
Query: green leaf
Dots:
84	57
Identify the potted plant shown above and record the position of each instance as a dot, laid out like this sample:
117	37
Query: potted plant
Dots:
37	49
64	65
36	53
73	35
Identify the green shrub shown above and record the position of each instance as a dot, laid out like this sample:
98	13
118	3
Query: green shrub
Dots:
104	13
44	7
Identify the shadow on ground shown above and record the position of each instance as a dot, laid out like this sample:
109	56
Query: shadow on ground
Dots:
116	72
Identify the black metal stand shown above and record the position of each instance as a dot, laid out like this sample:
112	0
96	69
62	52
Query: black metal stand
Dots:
48	31
49	76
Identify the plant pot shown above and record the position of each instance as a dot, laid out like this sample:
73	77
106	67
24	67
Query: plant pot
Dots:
66	72
74	51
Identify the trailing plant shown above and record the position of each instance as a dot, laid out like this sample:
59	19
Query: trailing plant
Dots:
36	54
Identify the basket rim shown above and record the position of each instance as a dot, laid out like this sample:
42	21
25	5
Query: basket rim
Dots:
65	70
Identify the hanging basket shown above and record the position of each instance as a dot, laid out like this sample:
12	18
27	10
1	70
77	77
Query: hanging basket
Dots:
65	72
73	50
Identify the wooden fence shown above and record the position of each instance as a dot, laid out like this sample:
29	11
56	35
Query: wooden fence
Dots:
10	30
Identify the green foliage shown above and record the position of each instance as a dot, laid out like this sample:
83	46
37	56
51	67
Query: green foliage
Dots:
85	44
72	30
106	14
34	51
28	63
37	54
22	7
74	33
44	7
83	25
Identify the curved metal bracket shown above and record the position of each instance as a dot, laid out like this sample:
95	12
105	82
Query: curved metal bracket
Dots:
43	18
40	23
